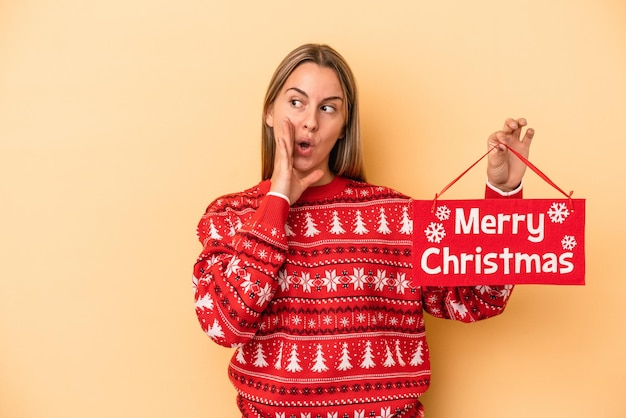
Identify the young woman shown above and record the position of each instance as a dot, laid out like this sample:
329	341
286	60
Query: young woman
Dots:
308	273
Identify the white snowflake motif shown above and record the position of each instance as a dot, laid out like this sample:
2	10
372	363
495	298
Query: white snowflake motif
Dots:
361	317
283	279
307	282
344	322
410	320
296	320
443	213
262	254
359	278
331	280
247	244
214	260
327	320
380	280
435	232
312	323
274	232
558	212
385	413
506	291
568	242
402	283
393	321
233	266
279	257
265	294
247	284
483	289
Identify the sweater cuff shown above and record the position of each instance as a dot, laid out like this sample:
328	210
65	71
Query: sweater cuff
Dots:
492	191
268	223
282	196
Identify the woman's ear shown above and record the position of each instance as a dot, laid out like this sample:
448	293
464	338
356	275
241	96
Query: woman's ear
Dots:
269	116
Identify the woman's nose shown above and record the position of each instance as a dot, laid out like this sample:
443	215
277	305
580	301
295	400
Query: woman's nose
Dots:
310	120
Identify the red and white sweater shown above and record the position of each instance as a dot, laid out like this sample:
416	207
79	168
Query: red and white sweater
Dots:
319	302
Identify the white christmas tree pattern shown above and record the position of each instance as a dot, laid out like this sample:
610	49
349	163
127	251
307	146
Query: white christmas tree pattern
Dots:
215	330
294	361
418	355
205	302
435	232
406	222
368	356
568	242
389	361
213	230
259	358
336	227
443	213
345	358
240	355
383	224
310	225
558	212
289	231
459	309
279	359
320	362
359	224
399	354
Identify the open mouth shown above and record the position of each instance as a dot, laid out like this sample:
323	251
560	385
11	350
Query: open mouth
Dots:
304	145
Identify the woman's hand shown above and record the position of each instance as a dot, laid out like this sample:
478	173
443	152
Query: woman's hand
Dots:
504	169
285	179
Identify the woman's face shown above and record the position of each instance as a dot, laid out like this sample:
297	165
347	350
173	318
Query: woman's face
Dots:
313	101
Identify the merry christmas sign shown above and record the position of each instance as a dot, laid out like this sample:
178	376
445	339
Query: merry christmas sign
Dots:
498	241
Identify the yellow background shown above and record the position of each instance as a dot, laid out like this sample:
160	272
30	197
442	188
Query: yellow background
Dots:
121	120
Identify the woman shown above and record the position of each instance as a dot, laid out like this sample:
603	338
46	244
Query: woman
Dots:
308	273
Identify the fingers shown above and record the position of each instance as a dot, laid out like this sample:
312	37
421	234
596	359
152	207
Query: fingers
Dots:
284	143
288	135
514	125
528	137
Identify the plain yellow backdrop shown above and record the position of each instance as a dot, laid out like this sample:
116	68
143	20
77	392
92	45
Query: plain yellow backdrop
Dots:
121	120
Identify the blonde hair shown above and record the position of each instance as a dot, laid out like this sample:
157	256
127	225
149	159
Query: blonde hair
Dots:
346	156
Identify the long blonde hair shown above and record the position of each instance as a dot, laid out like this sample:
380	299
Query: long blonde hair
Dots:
346	156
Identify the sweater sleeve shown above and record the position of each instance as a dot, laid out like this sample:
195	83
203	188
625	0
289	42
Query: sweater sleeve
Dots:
470	303
234	277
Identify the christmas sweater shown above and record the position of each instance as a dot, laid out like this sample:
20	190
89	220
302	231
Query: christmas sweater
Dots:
318	301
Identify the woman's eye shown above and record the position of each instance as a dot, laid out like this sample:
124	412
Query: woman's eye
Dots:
328	109
296	103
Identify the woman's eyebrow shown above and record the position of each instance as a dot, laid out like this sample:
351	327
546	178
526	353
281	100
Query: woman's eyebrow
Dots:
302	92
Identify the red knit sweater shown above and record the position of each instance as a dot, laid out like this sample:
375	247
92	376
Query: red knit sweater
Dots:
318	300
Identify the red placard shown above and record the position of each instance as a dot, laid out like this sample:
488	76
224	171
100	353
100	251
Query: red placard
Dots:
499	241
